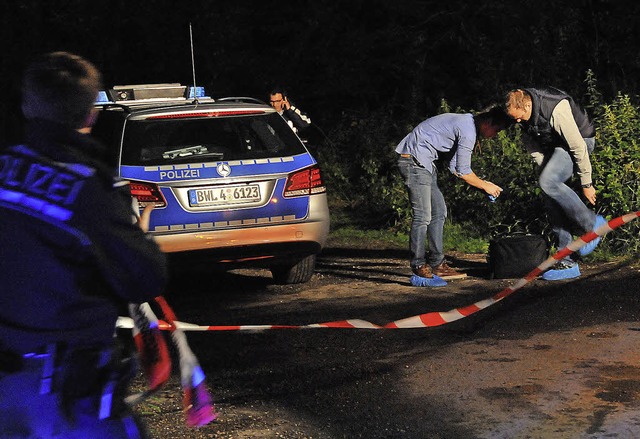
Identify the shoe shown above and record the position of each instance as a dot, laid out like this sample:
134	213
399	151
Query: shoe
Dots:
591	246
435	281
422	271
423	277
445	272
562	270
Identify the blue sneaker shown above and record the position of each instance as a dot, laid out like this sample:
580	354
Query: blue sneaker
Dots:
562	270
591	246
434	281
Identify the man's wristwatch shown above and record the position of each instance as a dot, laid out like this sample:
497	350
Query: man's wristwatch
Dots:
588	185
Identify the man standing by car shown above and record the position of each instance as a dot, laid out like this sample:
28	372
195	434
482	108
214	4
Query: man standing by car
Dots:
559	136
444	134
70	260
296	119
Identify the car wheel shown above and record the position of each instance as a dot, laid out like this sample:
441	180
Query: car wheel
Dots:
298	273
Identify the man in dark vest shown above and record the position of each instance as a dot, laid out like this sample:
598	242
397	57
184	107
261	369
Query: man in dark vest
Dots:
559	136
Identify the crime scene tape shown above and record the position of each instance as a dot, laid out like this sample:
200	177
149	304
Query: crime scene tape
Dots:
431	319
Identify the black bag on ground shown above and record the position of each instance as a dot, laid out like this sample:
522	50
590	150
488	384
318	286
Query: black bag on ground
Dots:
515	256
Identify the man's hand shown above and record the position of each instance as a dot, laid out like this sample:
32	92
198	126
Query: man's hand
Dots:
145	216
492	189
487	186
590	194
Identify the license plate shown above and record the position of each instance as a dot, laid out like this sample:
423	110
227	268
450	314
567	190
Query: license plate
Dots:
215	196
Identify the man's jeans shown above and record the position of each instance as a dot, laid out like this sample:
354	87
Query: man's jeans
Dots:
565	208
428	209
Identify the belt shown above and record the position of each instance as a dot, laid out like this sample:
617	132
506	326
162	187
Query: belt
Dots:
415	161
80	373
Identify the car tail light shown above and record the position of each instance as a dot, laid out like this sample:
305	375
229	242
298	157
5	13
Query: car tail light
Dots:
147	193
305	182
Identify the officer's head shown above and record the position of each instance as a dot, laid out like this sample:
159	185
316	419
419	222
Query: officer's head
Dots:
60	87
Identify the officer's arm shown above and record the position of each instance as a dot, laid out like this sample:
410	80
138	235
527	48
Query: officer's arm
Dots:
128	258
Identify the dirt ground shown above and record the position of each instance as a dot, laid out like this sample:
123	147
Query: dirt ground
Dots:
553	360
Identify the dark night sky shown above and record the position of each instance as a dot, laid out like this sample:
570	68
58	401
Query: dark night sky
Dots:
350	56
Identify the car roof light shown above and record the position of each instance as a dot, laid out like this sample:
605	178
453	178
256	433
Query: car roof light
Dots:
216	113
137	92
154	91
103	98
196	92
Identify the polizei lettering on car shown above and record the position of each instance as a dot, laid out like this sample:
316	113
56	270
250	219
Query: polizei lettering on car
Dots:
179	175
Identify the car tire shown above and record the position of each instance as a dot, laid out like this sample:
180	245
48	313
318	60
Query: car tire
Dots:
297	273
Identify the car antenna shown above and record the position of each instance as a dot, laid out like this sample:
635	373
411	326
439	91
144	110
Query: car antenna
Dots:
193	66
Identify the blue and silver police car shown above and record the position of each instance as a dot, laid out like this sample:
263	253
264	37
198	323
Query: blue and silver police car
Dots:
230	181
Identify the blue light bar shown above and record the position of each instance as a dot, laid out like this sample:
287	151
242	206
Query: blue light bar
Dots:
103	98
199	92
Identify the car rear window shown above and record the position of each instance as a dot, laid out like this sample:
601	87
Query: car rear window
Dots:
150	141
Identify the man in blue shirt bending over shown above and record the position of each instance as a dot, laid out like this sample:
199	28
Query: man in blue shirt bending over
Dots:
454	134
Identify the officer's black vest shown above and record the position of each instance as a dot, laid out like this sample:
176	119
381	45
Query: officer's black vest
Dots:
543	102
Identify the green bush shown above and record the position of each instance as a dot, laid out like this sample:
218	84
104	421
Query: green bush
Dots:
616	170
359	167
503	161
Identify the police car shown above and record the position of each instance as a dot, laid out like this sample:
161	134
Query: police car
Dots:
229	178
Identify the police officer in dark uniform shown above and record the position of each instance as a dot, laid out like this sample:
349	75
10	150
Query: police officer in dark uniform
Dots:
71	258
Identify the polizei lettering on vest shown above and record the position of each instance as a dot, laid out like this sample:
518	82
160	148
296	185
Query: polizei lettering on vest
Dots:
37	179
179	174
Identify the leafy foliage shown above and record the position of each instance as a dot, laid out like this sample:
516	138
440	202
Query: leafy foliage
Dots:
503	161
360	170
616	167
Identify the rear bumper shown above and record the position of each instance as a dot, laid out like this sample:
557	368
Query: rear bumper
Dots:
307	237
263	255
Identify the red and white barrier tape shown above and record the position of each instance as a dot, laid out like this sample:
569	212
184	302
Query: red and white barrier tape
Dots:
430	319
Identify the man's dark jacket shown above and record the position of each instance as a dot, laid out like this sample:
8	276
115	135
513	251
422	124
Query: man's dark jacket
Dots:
71	257
543	101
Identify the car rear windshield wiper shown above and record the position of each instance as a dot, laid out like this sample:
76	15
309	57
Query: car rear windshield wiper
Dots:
185	152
